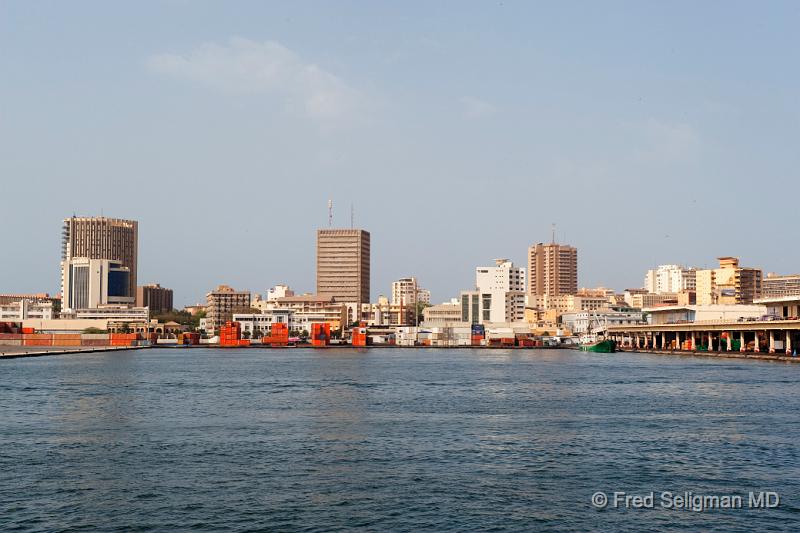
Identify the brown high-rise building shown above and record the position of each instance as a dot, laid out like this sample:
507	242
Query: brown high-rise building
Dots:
222	303
552	269
154	296
102	238
343	261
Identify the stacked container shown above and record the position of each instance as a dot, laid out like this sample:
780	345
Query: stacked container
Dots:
320	334
230	334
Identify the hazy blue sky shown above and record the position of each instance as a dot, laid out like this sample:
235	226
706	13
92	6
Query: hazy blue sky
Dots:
650	132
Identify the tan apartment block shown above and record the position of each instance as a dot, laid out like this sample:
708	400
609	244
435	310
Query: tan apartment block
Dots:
552	269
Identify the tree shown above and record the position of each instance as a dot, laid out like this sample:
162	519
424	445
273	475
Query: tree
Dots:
421	307
246	334
94	331
257	334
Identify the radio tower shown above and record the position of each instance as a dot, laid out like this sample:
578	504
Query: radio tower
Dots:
352	216
330	213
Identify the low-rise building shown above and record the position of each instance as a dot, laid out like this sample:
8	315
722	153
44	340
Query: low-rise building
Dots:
441	314
25	309
585	322
685	314
775	286
313	308
728	284
260	324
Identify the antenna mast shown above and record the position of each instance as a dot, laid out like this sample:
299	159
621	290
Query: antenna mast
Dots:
330	213
554	232
352	216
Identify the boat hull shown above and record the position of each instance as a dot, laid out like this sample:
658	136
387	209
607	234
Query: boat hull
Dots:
605	346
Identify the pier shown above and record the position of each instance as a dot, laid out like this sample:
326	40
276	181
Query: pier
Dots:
769	337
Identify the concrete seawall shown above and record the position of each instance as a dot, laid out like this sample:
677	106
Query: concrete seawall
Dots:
14	352
724	355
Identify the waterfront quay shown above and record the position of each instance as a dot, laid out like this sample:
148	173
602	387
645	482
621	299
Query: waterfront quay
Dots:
13	352
755	336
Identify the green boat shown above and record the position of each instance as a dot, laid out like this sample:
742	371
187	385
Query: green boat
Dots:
604	346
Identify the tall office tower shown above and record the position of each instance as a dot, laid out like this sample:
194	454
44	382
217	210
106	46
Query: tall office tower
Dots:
101	238
405	291
343	260
552	269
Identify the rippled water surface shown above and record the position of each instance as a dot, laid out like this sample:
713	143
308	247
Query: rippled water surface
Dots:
456	440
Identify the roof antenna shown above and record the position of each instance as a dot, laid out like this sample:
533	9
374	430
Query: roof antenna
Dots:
554	232
352	216
330	213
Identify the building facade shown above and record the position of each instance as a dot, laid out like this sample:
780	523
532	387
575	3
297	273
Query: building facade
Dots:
154	296
405	291
222	303
343	264
670	279
25	309
91	283
102	238
728	284
552	269
775	286
442	314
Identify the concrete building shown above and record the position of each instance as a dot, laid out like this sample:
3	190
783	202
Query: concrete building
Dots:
260	324
41	297
279	291
728	284
567	303
102	238
194	309
585	322
309	309
691	314
670	279
424	296
775	286
503	288
552	269
405	290
343	264
442	314
222	303
25	309
157	298
640	301
91	283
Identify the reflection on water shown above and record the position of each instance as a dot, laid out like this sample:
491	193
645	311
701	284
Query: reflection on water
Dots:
388	439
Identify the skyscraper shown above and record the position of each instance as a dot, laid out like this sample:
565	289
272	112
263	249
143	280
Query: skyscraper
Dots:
552	269
101	238
343	264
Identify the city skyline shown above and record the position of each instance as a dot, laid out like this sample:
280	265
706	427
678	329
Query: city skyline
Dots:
642	155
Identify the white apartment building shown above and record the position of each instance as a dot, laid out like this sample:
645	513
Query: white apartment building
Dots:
25	309
279	291
670	279
501	293
262	322
404	291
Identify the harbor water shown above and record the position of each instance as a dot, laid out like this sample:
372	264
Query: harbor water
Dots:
392	439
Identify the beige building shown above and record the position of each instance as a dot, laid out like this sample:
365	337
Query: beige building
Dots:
309	309
640	301
441	314
343	264
222	303
405	291
728	284
567	303
102	238
775	286
552	269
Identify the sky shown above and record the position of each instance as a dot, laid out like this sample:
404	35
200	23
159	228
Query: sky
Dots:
647	132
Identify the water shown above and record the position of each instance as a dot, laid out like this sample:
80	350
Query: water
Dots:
458	440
